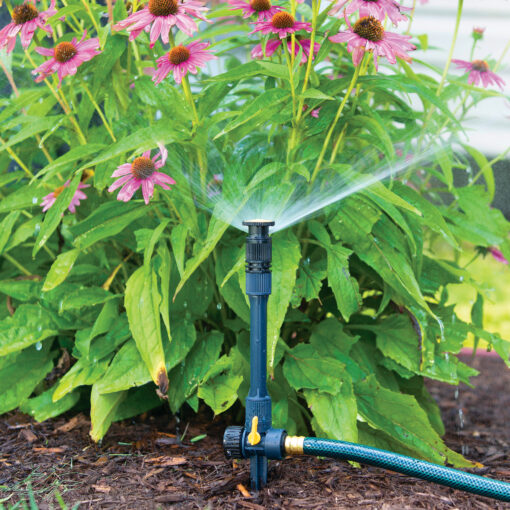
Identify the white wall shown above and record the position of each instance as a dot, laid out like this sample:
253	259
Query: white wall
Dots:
489	123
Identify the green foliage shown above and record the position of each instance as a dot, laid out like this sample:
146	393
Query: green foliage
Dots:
148	302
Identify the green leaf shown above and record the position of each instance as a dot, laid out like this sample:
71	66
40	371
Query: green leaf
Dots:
108	220
305	369
164	276
335	415
34	127
485	169
102	411
265	101
63	162
82	373
286	257
6	228
128	370
402	418
53	216
23	198
29	324
85	296
60	269
19	379
178	241
316	94
186	376
142	301
309	281
215	231
42	407
219	391
149	249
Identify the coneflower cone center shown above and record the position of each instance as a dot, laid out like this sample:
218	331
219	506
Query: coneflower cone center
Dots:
59	190
163	7
369	28
142	168
64	51
260	5
480	65
178	55
283	20
23	13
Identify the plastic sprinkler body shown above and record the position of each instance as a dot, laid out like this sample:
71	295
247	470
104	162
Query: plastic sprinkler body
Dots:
257	440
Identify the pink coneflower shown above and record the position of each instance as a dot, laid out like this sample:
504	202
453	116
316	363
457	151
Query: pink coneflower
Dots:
263	8
181	59
498	255
376	8
479	72
50	199
273	44
368	34
283	24
142	172
25	20
66	57
163	15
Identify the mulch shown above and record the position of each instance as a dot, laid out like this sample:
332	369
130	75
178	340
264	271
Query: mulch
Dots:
143	464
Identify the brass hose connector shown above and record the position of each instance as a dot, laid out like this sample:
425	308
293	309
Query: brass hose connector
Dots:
294	445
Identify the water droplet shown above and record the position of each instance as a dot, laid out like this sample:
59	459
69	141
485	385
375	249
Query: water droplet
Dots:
39	328
461	418
35	200
185	304
456	393
38	346
441	329
461	278
218	306
37	228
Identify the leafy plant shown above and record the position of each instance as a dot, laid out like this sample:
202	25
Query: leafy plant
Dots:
134	304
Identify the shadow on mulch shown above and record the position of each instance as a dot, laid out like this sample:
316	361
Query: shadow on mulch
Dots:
142	465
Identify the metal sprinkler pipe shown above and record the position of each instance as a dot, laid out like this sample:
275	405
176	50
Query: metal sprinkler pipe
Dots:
258	441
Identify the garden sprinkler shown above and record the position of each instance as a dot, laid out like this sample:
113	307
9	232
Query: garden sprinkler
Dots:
258	441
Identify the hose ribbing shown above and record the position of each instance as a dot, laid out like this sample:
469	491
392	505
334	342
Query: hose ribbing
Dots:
393	461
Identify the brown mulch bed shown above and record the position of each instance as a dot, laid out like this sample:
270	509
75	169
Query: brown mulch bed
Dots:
143	465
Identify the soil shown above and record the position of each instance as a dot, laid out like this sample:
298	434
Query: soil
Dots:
141	464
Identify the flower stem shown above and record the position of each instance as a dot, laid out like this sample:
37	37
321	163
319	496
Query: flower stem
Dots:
335	121
15	157
500	60
14	262
452	49
100	113
91	15
411	17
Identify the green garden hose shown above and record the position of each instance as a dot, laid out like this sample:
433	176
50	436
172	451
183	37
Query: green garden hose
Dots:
400	463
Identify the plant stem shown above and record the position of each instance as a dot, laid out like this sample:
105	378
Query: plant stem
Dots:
15	157
500	60
96	106
91	15
411	17
335	121
14	262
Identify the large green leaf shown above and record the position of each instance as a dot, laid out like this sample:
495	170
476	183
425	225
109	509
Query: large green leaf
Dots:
304	368
102	411
401	417
6	227
53	216
42	407
29	324
60	269
286	256
142	306
219	391
17	382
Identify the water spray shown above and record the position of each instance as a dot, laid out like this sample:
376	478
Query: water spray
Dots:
259	442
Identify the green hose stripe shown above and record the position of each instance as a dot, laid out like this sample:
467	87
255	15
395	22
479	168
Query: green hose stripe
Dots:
409	466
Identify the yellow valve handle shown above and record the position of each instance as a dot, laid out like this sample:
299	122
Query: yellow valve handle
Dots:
254	436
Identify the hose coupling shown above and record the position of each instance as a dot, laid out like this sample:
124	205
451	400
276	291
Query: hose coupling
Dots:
294	445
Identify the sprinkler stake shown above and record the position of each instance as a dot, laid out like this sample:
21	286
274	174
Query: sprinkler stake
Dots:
257	440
